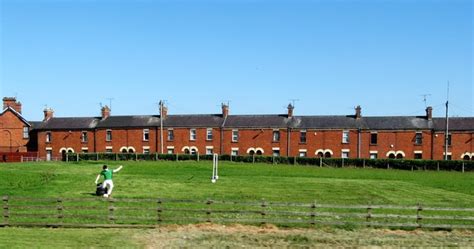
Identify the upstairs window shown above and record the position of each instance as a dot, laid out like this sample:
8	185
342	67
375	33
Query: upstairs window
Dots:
418	138
26	132
146	134
235	135
303	136
170	135
345	137
373	138
48	137
84	137
449	139
209	134
108	135
192	134
276	136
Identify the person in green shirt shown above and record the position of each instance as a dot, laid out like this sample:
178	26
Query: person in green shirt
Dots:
107	174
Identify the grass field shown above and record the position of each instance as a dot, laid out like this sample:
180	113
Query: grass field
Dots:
242	182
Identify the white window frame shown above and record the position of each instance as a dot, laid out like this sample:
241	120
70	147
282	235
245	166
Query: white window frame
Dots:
419	133
49	137
84	137
234	151
305	132
235	135
108	135
345	136
345	153
26	132
274	150
209	134
192	134
146	133
277	133
373	152
170	132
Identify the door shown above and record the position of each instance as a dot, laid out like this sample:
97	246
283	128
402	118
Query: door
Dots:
49	154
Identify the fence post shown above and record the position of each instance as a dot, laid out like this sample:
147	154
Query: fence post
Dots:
6	212
177	157
263	213
412	167
253	158
369	214
418	214
463	167
437	166
97	156
159	210
197	156
111	210
363	163
313	213
208	211
388	165
21	158
60	208
136	157
320	162
77	155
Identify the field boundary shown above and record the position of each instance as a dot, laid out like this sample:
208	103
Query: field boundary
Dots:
152	212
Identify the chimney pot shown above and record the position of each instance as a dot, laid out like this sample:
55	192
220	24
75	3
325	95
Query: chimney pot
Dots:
358	113
225	110
429	113
105	112
290	110
48	114
11	102
163	111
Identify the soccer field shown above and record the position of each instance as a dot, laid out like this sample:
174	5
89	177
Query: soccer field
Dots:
243	182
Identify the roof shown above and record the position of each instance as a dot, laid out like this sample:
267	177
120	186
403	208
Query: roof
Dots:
398	123
209	120
68	124
329	122
454	124
257	121
9	108
129	121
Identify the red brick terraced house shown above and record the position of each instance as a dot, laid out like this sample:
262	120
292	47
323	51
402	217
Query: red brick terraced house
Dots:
14	128
351	136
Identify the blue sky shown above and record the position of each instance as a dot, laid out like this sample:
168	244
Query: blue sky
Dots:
330	55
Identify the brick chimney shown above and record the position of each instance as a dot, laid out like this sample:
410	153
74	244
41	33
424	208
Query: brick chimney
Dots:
48	114
290	110
429	113
11	101
225	110
105	112
163	111
358	113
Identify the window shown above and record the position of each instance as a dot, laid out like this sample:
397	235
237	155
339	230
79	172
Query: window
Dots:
209	134
345	137
170	151
108	150
108	135
418	138
235	135
192	134
303	136
234	152
84	137
26	131
276	152
449	140
48	137
85	150
146	134
193	151
373	155
302	154
345	154
146	151
418	155
373	138
170	135
209	151
276	136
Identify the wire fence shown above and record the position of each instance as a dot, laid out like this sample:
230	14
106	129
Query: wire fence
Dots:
153	212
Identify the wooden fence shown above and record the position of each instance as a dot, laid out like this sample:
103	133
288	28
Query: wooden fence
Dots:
149	213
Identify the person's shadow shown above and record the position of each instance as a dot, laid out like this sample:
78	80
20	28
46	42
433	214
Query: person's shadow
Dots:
92	194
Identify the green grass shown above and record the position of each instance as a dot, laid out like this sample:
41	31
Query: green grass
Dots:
185	180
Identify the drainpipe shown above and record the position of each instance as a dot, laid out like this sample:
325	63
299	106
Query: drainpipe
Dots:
358	142
288	136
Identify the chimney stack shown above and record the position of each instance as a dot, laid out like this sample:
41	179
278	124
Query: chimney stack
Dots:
429	113
358	113
48	114
11	101
290	110
225	110
105	112
163	111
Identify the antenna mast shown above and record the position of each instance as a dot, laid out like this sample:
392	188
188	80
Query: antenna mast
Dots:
446	134
424	97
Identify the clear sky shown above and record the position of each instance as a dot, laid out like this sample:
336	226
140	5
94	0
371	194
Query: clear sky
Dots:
329	55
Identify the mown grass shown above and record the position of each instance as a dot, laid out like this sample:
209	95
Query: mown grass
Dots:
243	182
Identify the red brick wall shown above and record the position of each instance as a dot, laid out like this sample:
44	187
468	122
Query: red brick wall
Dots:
64	140
255	138
11	124
182	139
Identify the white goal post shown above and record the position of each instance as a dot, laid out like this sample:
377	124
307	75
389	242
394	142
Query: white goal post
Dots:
215	167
